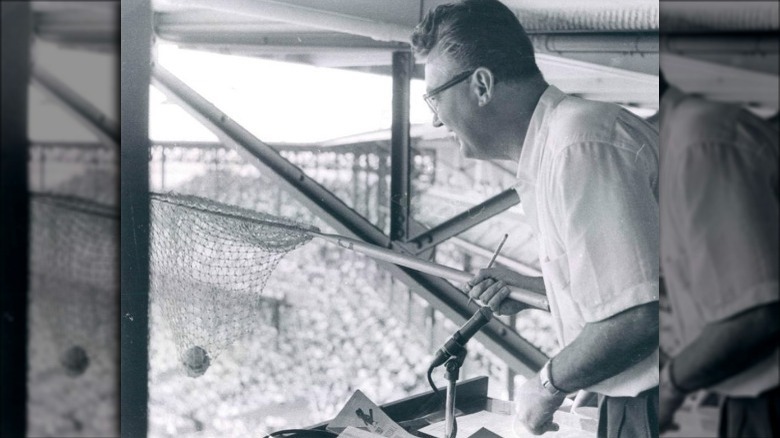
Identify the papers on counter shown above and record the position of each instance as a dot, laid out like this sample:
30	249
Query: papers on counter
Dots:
364	415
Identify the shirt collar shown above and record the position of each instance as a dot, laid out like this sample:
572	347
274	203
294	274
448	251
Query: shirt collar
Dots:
531	152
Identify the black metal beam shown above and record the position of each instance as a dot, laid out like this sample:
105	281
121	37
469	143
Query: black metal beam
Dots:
136	46
400	161
106	130
14	216
466	220
496	336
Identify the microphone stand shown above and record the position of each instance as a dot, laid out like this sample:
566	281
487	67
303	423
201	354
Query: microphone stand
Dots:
452	369
452	374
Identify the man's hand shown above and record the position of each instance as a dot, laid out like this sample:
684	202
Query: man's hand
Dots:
490	287
670	400
535	408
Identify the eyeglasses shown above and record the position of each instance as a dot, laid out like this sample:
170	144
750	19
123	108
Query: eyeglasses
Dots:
451	83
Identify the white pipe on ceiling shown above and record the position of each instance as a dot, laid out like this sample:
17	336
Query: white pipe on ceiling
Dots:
580	16
319	19
715	16
620	19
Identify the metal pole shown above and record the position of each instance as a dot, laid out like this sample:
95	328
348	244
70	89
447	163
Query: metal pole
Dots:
162	168
14	214
466	220
105	129
452	374
355	179
400	150
381	191
136	35
450	427
308	17
510	373
528	294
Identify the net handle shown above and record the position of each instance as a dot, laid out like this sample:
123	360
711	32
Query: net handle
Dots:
523	295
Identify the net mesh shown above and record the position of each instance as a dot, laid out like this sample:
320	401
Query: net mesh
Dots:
209	265
73	281
73	325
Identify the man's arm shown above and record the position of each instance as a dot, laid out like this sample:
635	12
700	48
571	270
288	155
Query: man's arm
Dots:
603	349
724	349
728	347
606	348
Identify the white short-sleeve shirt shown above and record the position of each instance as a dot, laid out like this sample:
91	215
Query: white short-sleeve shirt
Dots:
719	221
588	182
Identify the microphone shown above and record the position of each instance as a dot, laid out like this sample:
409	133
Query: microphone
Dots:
456	343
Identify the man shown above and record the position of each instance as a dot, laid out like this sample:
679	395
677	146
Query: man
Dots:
719	249
588	177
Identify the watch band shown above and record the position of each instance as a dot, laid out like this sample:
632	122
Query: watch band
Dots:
544	377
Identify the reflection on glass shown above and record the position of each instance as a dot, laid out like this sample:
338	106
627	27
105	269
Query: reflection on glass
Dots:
719	216
73	325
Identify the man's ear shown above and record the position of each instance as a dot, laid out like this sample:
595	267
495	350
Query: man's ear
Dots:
483	85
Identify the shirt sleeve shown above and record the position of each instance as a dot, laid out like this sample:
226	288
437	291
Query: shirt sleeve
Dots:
726	212
607	199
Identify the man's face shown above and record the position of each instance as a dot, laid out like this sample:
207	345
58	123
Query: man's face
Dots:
454	106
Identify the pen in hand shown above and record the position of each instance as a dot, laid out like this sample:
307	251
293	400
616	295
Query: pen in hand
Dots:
492	260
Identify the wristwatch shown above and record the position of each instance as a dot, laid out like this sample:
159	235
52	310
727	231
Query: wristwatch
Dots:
544	377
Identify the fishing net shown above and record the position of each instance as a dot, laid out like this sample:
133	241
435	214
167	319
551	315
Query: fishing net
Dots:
73	275
73	316
209	265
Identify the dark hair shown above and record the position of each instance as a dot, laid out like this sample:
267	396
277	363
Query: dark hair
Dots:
478	33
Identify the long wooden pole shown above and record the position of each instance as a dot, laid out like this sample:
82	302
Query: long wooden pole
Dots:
527	296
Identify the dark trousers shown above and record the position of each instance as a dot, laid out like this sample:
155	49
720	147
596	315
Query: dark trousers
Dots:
755	417
629	417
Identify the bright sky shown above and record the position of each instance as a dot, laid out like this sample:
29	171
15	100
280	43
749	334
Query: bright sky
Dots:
277	101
